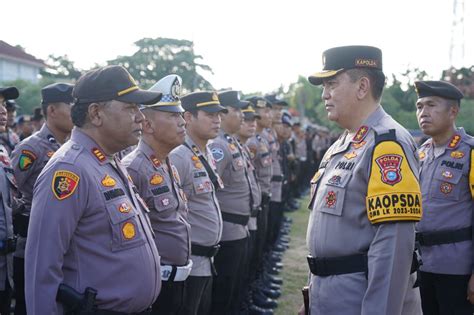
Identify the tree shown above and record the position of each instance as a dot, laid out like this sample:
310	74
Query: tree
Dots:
156	58
60	67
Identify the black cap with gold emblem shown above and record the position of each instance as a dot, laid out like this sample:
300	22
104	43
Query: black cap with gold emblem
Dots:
338	59
205	101
259	102
111	83
250	113
231	98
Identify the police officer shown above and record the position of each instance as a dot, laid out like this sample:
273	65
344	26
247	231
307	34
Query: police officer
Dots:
38	118
29	158
9	138
365	196
7	187
24	126
235	203
158	183
88	229
199	179
447	178
276	205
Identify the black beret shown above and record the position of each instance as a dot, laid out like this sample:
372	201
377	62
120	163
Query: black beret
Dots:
9	93
205	101
111	83
438	88
231	99
338	59
57	93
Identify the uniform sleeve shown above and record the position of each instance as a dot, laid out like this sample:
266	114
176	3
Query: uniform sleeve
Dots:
55	212
393	206
25	160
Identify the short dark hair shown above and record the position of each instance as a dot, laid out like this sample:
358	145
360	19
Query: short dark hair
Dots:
79	114
376	78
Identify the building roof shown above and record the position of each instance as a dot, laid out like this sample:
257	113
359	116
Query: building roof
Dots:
14	53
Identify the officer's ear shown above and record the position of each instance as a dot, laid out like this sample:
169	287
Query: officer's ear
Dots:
96	114
188	116
363	88
453	109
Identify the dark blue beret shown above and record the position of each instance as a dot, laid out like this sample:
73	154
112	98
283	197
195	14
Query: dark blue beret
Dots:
438	88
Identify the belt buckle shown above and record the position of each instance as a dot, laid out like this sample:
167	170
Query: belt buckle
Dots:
215	250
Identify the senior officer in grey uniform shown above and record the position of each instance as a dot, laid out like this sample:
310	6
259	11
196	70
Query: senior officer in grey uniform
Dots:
235	203
7	191
199	179
29	158
447	186
158	183
88	230
365	196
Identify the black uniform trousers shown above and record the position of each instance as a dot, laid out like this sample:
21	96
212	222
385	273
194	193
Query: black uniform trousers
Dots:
198	296
443	294
5	299
170	299
227	287
19	282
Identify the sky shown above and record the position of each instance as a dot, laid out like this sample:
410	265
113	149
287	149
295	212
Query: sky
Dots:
251	45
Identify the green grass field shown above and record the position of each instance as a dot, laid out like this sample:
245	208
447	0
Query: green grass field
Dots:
295	270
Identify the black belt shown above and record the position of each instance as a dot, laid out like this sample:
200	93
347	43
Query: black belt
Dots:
104	312
206	251
7	246
255	211
235	218
277	178
444	237
324	267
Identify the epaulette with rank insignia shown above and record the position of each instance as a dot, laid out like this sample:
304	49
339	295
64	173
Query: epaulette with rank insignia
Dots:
360	134
99	154
454	142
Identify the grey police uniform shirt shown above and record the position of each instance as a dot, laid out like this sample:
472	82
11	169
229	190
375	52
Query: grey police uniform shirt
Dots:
88	228
160	187
9	139
7	185
339	226
28	159
262	160
277	173
204	212
448	203
234	198
255	187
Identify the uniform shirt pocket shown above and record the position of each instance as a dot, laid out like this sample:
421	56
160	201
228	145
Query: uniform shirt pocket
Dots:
202	184
126	228
331	194
445	184
164	202
237	163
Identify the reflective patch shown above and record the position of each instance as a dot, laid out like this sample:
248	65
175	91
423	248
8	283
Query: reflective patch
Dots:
128	230
350	155
331	199
27	158
385	201
64	184
389	165
457	154
446	188
108	181
124	207
217	154
156	179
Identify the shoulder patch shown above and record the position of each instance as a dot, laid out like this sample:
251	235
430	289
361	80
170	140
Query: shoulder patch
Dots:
64	184
217	154
27	158
393	192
